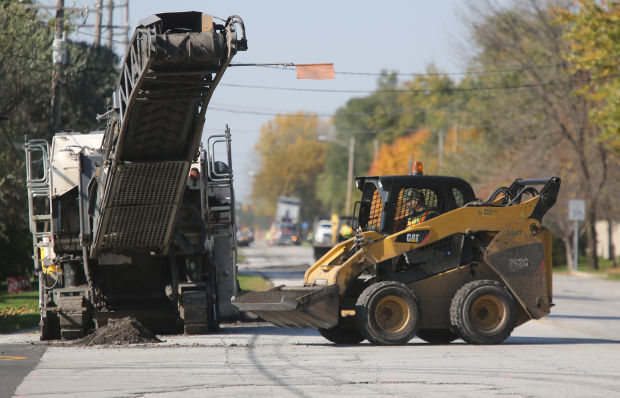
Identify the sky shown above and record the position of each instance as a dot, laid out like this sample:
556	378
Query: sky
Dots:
357	36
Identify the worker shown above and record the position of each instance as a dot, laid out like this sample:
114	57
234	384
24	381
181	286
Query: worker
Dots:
346	232
415	205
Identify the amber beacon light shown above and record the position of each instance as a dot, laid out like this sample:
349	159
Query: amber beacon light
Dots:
416	168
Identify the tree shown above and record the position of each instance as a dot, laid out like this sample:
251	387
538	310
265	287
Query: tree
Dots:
394	159
537	122
25	89
291	156
369	119
593	36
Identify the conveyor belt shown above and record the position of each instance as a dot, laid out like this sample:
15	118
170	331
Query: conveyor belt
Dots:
168	76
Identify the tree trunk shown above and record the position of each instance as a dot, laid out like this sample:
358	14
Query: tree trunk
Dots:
591	238
568	249
610	236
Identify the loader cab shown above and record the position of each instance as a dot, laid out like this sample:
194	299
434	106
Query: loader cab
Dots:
383	207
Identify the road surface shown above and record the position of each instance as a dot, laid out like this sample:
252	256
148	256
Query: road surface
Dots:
575	352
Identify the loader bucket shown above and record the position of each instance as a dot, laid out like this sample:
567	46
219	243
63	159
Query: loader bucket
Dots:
294	306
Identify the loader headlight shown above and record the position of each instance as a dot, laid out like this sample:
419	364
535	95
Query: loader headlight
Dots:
320	282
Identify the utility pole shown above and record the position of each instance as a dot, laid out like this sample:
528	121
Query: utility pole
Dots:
110	6
440	149
126	36
98	17
347	208
59	56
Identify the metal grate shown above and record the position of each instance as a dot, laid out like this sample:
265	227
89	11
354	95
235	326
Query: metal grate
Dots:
438	256
137	226
459	200
376	208
405	213
149	183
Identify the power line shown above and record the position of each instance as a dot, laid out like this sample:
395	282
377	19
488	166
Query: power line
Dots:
289	65
304	113
421	90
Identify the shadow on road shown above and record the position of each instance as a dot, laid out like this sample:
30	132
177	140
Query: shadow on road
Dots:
268	372
556	340
593	317
268	330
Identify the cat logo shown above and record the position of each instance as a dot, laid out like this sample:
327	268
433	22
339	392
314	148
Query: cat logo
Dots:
413	237
417	236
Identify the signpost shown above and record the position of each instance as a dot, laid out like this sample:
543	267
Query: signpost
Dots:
576	213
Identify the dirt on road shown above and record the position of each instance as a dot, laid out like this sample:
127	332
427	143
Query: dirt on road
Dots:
119	332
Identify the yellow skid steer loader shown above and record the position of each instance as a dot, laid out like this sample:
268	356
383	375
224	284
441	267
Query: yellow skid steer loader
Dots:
428	259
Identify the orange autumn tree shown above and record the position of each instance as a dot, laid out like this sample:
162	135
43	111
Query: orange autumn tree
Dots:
290	158
394	158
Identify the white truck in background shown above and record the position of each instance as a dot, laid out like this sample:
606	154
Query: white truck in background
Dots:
285	227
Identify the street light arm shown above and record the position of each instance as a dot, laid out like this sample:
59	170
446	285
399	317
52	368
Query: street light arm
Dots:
325	138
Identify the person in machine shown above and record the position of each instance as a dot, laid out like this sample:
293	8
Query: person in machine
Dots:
415	205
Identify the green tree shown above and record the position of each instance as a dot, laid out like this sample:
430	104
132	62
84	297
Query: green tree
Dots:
25	92
371	119
593	35
291	156
537	123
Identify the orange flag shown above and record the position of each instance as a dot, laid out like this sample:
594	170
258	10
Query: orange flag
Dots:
315	71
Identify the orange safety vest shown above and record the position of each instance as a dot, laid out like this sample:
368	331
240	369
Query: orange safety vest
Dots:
419	218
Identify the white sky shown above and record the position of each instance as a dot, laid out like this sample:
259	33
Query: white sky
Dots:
357	36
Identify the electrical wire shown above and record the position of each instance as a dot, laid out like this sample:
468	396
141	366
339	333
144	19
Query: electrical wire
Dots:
421	90
289	65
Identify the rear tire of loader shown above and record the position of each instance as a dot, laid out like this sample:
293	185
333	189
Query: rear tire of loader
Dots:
388	313
483	312
437	336
345	332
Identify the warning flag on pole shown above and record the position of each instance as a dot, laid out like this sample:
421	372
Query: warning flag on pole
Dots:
315	71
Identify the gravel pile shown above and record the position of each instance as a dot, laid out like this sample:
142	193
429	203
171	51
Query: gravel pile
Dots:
119	332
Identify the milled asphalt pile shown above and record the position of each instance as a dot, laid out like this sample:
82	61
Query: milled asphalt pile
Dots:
119	332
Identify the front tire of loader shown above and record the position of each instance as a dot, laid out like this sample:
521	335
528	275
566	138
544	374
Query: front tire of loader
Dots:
483	312
345	332
388	313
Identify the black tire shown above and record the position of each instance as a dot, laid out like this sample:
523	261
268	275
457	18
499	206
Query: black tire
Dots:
483	312
345	332
388	313
437	336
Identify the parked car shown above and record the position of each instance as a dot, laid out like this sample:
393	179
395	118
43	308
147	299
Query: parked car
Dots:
245	236
323	232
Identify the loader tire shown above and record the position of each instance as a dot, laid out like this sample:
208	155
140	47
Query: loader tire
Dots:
388	313
437	336
483	312
345	332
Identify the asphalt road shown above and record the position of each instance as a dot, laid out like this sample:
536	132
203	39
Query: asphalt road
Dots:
575	352
16	361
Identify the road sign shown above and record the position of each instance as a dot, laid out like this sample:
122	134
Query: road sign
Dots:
577	210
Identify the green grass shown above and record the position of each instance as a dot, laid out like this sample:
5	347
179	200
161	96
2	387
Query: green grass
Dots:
605	271
18	311
253	284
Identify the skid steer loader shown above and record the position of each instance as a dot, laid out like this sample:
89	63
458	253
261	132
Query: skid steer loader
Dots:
460	268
